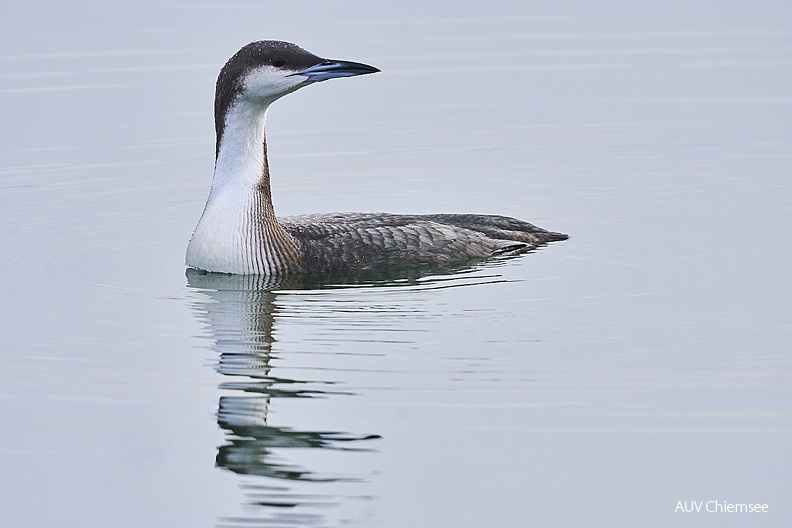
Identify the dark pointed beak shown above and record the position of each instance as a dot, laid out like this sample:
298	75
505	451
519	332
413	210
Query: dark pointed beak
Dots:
330	69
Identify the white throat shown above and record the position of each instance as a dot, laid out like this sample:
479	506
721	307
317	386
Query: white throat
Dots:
240	159
238	232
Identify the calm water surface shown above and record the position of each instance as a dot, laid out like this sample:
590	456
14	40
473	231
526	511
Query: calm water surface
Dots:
596	382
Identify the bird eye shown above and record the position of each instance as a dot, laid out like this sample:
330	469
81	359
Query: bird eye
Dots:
279	62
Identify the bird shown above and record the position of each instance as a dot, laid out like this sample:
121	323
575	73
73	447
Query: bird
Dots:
239	233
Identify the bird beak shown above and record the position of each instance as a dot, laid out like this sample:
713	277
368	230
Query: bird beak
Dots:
330	69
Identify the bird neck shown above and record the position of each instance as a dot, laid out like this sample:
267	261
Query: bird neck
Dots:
241	163
238	231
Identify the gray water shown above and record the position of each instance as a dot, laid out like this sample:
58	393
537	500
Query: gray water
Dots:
596	382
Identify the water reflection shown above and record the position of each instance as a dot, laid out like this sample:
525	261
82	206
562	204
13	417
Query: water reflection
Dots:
240	313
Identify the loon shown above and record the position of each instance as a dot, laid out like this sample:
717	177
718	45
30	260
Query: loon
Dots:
238	232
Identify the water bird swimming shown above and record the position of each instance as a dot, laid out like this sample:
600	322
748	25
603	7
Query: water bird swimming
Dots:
239	233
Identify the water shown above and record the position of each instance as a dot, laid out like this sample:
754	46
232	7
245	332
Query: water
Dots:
596	382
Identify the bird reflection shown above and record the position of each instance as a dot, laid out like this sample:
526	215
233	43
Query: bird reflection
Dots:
239	312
